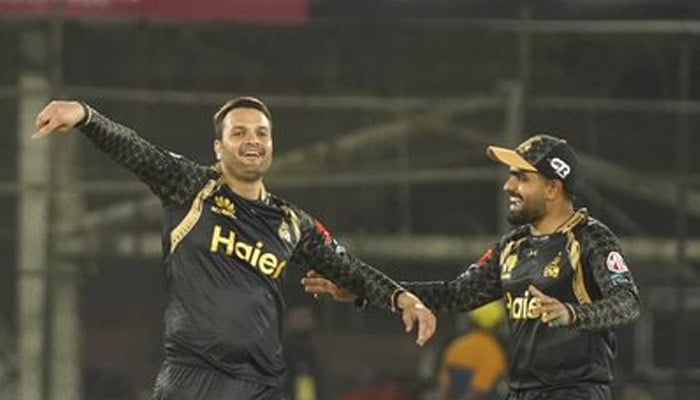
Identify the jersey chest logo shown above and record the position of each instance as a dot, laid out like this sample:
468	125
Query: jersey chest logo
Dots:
553	268
284	232
508	266
224	206
227	242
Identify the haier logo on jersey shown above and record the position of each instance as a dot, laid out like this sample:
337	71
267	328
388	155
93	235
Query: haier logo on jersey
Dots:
524	307
267	263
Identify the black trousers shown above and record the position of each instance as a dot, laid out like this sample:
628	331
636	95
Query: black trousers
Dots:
185	382
577	392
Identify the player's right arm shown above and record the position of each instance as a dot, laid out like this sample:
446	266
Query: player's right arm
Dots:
171	177
316	247
478	285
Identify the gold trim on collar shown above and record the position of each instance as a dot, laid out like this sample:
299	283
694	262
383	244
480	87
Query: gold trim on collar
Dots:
576	218
264	194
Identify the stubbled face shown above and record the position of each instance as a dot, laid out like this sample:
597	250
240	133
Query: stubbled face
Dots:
245	148
526	197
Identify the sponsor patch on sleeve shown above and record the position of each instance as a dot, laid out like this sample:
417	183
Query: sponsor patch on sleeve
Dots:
616	263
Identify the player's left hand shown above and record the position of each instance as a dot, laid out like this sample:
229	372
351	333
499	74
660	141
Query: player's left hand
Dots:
554	313
414	311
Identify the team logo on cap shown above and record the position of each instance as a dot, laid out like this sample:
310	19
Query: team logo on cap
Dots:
525	146
560	168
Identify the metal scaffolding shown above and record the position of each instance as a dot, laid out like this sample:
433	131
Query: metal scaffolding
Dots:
54	220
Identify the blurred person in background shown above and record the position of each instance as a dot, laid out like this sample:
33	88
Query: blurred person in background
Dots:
560	272
473	365
226	243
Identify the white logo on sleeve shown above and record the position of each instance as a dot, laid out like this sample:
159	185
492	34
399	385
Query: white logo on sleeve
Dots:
616	263
561	168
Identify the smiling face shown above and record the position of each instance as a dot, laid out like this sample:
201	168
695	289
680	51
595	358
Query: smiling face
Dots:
527	195
245	147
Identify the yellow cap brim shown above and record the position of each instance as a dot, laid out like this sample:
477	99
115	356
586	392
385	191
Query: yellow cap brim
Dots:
510	158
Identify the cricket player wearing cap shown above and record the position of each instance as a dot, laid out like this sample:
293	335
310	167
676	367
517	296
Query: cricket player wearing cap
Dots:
561	274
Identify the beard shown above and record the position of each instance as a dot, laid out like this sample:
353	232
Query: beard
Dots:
526	215
246	172
250	173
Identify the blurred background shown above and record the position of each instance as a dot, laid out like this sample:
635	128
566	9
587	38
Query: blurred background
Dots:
382	110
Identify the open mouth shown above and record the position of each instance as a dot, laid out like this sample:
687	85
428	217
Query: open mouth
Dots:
514	202
252	154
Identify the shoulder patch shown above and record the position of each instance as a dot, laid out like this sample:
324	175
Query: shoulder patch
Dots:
324	231
485	258
616	263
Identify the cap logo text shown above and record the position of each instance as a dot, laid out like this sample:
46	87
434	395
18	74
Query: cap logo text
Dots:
560	168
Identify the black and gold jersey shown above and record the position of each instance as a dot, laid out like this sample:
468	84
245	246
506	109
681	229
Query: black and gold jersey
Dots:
581	264
224	258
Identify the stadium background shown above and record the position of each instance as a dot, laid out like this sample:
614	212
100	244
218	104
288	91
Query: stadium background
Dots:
382	110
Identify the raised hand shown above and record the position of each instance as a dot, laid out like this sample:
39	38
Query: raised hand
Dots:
58	116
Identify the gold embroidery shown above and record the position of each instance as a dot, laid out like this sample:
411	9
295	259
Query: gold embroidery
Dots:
552	269
579	283
224	206
190	220
509	258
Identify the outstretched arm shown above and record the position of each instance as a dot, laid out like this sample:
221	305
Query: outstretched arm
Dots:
318	249
171	177
478	285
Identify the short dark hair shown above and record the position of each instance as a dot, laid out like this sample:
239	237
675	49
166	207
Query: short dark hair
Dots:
238	102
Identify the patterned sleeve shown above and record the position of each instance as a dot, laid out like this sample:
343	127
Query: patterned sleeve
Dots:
618	301
171	177
478	285
318	250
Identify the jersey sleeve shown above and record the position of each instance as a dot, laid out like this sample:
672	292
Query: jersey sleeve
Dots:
173	178
618	300
317	249
478	285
